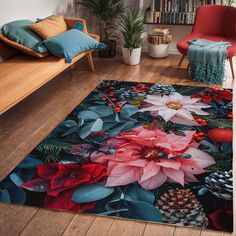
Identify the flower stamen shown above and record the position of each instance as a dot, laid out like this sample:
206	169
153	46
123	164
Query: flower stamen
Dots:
174	105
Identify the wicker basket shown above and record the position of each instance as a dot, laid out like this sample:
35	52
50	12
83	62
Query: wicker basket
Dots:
159	39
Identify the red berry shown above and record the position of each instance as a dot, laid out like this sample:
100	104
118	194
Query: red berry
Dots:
104	99
199	120
110	105
201	134
113	99
111	94
117	109
199	138
221	135
119	103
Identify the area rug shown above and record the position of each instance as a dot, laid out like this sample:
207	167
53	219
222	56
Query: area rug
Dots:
140	151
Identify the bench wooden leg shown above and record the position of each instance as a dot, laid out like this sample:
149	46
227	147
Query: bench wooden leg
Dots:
181	60
90	61
232	66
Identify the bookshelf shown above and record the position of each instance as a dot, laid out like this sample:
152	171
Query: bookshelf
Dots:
173	12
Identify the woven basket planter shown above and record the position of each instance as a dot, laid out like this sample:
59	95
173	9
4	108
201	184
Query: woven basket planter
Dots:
158	45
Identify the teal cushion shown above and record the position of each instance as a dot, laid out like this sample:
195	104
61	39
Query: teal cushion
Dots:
78	26
19	32
71	43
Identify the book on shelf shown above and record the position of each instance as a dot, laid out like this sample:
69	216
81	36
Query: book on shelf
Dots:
175	11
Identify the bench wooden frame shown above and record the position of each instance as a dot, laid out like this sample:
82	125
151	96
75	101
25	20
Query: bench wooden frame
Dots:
21	75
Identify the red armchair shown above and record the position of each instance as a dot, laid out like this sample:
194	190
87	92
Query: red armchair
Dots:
215	23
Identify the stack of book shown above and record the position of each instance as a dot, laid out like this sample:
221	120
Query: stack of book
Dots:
161	31
160	36
175	11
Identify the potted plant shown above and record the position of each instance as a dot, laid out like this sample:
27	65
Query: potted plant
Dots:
108	13
230	2
132	27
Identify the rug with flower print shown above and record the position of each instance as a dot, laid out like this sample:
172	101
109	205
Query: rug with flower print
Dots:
140	151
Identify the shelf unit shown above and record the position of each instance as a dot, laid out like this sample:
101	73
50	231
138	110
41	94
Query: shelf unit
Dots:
172	12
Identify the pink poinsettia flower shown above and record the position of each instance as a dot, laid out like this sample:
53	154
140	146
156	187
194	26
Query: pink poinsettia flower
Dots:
176	108
152	157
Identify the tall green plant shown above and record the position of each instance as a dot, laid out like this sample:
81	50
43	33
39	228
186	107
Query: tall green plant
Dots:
132	27
107	12
230	2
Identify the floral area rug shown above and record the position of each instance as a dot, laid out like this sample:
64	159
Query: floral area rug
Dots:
141	151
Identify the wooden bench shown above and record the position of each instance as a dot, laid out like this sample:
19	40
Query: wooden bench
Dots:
21	75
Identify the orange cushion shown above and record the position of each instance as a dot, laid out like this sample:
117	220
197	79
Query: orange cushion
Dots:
49	27
22	47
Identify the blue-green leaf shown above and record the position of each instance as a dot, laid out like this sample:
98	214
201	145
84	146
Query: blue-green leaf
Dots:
136	193
5	196
102	111
141	211
29	163
87	115
128	111
97	125
108	213
16	179
71	130
85	131
91	193
116	130
69	123
17	195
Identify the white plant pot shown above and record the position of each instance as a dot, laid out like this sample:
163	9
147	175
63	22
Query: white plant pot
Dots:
158	51
132	58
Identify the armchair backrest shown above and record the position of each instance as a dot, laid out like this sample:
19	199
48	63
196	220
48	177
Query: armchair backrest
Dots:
215	20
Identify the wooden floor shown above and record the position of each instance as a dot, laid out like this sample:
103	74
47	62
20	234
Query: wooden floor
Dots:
24	126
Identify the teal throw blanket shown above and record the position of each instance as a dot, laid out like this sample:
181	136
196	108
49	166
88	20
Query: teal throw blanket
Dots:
207	60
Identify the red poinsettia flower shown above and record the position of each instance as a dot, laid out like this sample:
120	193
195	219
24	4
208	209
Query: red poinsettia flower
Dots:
61	180
222	219
64	202
217	95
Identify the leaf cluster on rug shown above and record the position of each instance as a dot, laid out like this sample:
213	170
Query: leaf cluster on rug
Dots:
140	151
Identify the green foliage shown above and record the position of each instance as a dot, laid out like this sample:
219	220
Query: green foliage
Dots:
230	2
53	148
103	118
132	27
219	123
107	12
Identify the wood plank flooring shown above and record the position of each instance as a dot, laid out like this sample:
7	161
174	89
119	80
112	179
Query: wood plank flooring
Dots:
25	125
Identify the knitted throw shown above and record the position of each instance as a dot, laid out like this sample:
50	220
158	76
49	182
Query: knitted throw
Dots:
207	60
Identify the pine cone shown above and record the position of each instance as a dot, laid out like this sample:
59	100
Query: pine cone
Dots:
220	184
180	206
161	89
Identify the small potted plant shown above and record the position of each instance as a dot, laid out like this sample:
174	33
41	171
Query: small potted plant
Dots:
230	2
132	27
108	13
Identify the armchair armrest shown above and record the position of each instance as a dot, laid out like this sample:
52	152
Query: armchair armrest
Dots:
95	36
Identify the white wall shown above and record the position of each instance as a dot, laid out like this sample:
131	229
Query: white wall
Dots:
11	10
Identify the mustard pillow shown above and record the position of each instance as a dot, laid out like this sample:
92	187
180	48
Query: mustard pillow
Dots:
49	27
